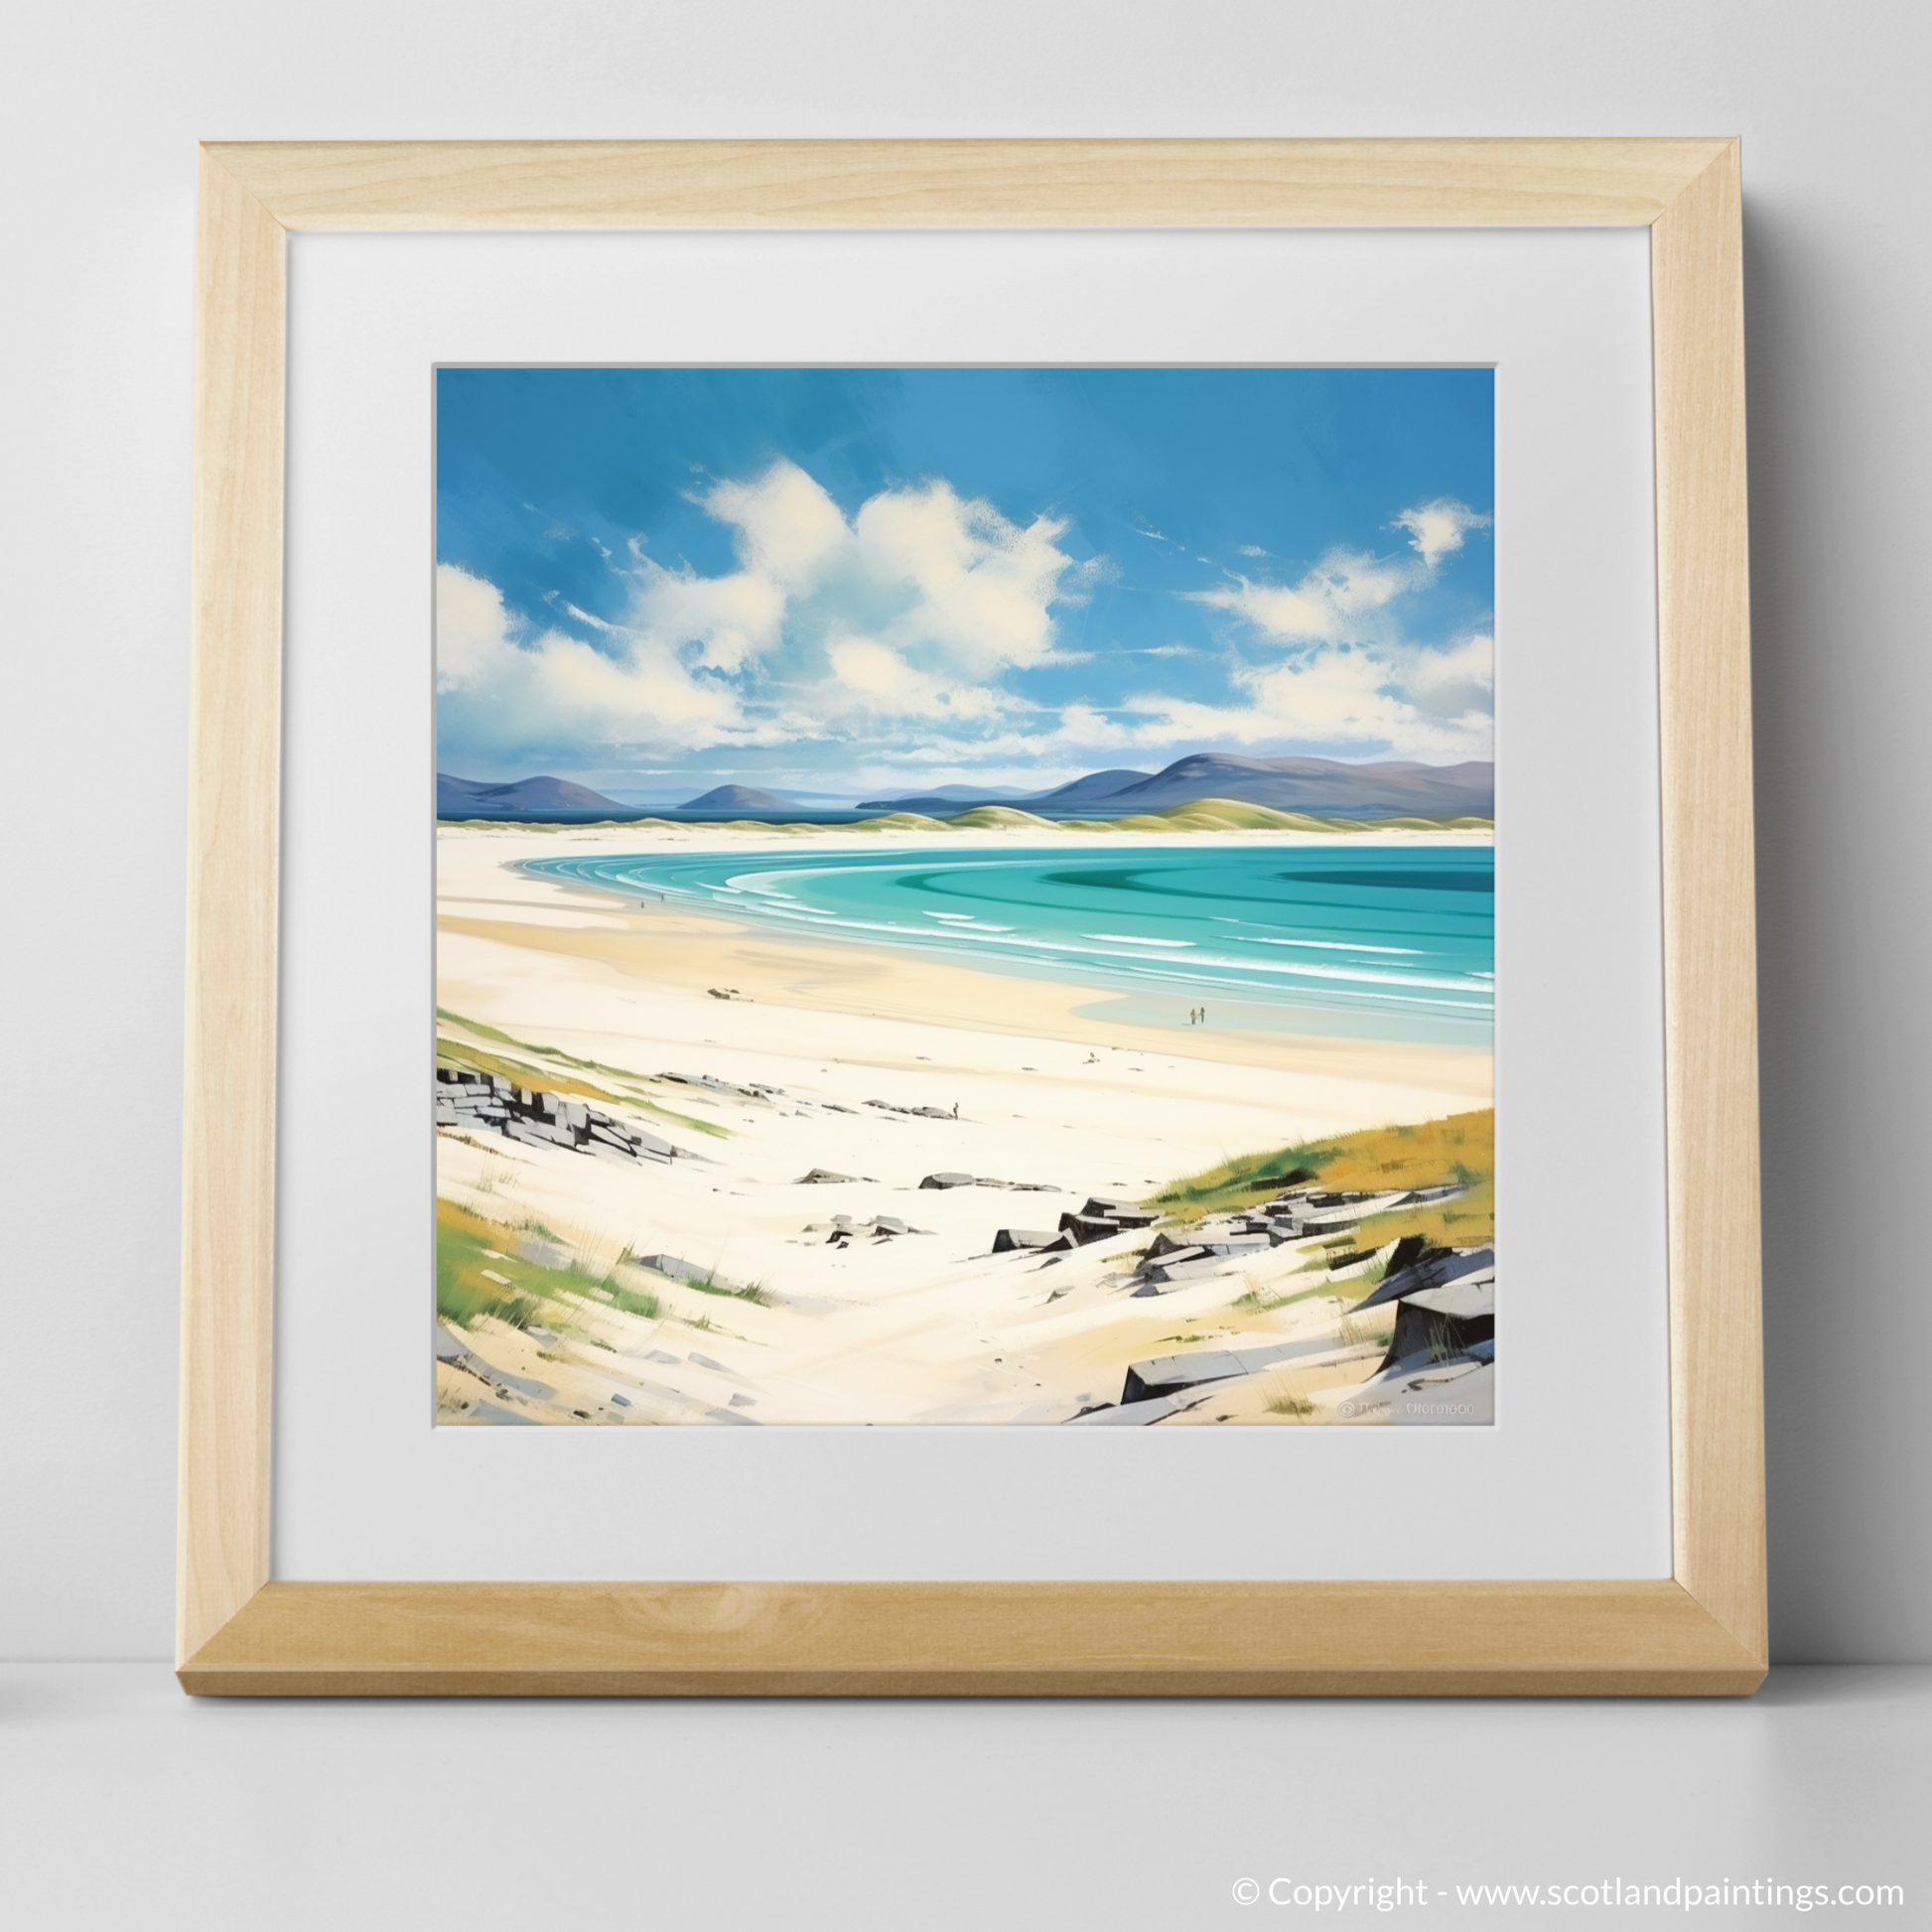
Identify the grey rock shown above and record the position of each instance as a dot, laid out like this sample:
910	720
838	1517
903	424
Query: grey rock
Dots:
1175	1251
1009	1239
705	1361
743	1401
1465	1296
1089	1228
1163	1375
1132	1415
947	1181
824	1178
1436	1272
1183	1269
674	1267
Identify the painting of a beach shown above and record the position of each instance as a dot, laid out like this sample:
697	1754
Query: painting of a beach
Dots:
964	897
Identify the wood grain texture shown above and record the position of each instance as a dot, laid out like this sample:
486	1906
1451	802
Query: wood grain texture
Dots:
1702	1633
235	747
1710	930
962	183
984	1639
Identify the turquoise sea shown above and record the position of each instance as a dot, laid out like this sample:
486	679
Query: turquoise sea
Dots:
1387	942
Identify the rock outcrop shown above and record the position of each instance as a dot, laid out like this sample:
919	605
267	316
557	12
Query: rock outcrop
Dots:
538	1119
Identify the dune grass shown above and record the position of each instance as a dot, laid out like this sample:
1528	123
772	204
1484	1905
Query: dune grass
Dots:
470	1254
1460	1147
555	1075
478	1273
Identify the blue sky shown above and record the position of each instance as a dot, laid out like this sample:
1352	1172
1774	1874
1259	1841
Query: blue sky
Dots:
857	581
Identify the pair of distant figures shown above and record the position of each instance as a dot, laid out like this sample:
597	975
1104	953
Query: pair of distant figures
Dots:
1197	1016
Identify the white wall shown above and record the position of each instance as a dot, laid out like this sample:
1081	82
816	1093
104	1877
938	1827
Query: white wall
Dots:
100	108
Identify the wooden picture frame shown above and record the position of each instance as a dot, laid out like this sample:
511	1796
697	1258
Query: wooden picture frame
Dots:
1702	1632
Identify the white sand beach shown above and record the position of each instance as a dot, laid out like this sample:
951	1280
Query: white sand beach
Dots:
1051	1092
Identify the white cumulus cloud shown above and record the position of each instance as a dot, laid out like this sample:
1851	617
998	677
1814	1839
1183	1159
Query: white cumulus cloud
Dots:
911	610
551	695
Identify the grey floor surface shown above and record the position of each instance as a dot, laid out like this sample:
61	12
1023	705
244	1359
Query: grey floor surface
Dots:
123	1803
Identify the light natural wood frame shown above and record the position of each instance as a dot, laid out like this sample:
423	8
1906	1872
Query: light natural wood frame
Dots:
1702	1632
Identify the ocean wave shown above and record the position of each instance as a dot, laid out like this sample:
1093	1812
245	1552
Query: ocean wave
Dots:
1389	946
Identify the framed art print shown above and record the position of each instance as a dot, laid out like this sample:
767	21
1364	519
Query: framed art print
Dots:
986	855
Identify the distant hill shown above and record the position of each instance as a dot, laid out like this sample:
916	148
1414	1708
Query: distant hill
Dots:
739	798
1092	789
521	798
1315	787
940	796
1320	786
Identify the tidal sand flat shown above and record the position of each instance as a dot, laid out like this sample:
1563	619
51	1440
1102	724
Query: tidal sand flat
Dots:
755	1125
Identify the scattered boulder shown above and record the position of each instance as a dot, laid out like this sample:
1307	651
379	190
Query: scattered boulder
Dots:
1125	1215
1175	1375
948	1181
1007	1239
824	1178
676	1268
1441	1323
1171	1374
1435	1268
540	1119
1185	1266
1090	1227
540	1253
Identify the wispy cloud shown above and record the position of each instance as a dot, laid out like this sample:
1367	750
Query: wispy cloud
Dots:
1347	593
1350	678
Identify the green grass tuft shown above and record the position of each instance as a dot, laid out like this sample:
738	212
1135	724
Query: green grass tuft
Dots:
1379	1160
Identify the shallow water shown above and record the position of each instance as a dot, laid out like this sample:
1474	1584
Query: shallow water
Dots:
1385	942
